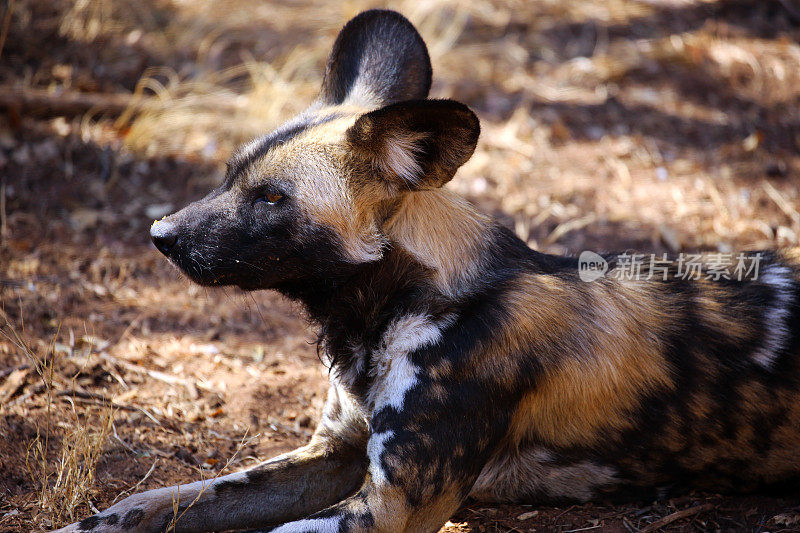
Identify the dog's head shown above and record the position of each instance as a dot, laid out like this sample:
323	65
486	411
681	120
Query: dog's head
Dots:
308	200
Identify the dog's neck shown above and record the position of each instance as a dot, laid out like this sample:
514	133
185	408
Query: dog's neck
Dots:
443	232
436	244
360	301
352	312
436	240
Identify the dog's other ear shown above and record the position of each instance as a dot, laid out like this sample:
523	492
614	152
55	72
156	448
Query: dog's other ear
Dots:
417	144
377	59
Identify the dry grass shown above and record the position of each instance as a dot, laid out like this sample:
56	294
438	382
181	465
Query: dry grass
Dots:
66	482
210	112
176	515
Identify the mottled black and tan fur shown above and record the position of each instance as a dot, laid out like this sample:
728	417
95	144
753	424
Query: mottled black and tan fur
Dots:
463	363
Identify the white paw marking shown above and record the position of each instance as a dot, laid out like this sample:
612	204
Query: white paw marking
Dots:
317	525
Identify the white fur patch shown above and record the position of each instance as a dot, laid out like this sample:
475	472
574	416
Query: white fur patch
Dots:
393	372
343	416
400	157
366	247
317	525
375	447
775	321
401	378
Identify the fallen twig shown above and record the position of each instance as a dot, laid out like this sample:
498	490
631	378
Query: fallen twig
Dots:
677	515
784	205
137	485
568	226
6	371
72	103
583	528
155	374
67	103
96	399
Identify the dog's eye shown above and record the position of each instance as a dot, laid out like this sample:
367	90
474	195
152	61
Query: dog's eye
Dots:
270	198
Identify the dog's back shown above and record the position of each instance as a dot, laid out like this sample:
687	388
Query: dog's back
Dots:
656	377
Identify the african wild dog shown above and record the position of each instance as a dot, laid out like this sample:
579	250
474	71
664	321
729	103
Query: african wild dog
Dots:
463	363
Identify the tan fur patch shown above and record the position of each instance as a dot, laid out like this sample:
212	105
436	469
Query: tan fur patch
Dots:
443	232
435	512
781	460
711	304
791	256
599	369
387	504
514	475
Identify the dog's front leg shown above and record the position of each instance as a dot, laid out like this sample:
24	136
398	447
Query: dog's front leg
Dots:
422	464
377	507
331	467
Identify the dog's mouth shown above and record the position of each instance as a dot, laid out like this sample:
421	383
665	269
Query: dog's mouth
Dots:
212	269
200	272
212	254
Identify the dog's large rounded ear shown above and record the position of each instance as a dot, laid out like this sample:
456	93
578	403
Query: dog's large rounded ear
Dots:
417	144
377	59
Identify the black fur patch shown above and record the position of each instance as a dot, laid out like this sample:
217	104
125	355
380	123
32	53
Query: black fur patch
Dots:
132	518
240	161
380	50
88	524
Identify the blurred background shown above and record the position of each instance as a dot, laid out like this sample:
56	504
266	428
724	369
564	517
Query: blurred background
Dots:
660	125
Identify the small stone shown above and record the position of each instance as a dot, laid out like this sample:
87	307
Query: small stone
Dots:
528	515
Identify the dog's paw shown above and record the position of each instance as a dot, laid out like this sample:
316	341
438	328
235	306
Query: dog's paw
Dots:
132	521
75	528
93	524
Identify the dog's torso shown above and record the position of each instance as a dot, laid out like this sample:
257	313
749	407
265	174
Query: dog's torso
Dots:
569	390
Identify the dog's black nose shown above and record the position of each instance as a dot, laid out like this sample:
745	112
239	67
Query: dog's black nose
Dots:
164	235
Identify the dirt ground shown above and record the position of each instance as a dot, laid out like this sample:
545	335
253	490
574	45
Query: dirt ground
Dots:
656	125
